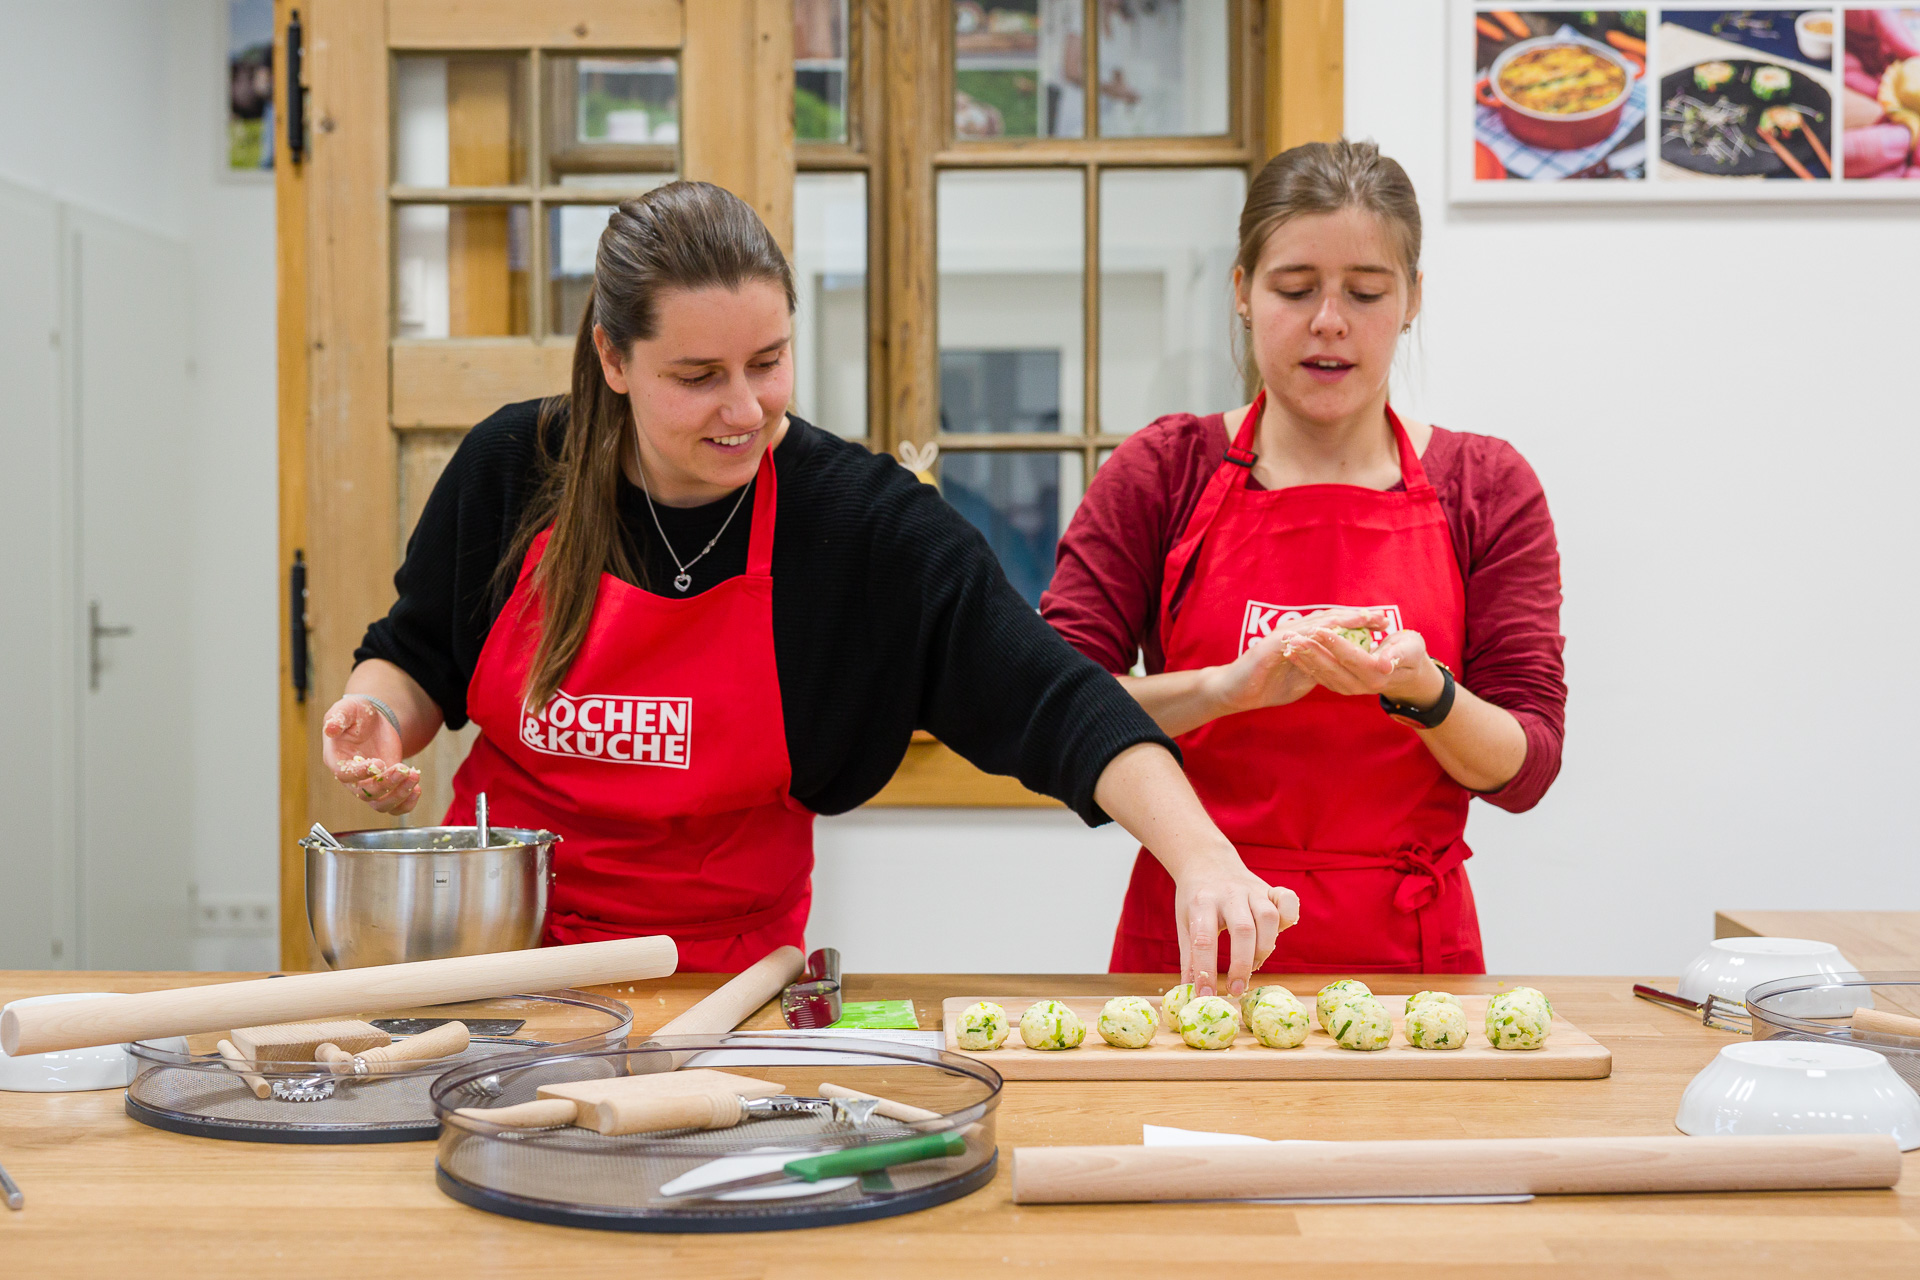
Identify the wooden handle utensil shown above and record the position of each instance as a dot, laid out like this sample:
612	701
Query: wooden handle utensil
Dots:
237	1062
541	1113
735	1001
1453	1167
41	1028
442	1041
1878	1022
904	1112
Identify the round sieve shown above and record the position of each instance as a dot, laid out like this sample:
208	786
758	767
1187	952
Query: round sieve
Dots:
197	1092
572	1176
1818	1007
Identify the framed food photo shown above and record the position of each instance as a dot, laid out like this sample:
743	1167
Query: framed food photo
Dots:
1683	102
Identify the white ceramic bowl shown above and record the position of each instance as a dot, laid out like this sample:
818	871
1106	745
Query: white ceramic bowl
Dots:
1815	46
1798	1086
1731	967
106	1066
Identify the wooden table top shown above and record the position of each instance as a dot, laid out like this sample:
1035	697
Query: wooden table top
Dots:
106	1195
1875	941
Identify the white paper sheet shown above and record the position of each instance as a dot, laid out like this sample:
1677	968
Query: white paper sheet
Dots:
1160	1135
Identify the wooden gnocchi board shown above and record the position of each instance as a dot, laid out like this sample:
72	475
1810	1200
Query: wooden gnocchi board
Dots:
1569	1054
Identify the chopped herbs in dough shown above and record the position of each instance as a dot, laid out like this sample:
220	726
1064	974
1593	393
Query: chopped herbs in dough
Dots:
1051	1025
1519	1019
1437	1025
1422	997
1174	1001
1360	1022
1276	1017
1332	994
1129	1022
1209	1022
983	1025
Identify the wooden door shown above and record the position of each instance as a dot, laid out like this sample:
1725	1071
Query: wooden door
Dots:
457	156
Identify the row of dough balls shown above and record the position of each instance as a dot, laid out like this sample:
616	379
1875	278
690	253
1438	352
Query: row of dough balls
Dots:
1347	1010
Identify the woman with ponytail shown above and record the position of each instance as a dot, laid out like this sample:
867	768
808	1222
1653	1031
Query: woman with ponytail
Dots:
686	622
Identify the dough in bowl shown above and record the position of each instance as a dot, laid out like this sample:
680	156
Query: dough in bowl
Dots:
1360	1022
1128	1022
1332	994
1051	1025
1276	1017
1209	1022
1519	1019
983	1025
1437	1025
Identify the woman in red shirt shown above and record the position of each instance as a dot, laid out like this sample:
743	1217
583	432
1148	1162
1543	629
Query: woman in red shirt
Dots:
1349	620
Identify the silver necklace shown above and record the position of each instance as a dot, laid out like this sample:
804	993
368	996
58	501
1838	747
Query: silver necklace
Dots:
683	579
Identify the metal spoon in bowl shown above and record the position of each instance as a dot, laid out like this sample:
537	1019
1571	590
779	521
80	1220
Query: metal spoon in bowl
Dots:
324	836
483	831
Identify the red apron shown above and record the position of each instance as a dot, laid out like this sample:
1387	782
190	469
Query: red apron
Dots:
1326	796
662	762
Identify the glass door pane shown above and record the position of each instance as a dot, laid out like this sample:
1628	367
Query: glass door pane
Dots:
830	322
611	122
1164	68
460	120
820	70
1019	69
1011	250
1021	502
1167	323
460	271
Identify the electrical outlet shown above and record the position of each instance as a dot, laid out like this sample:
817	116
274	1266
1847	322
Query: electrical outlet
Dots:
234	915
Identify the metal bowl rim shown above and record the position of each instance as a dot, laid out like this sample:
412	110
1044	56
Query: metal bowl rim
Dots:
455	1081
524	838
148	1051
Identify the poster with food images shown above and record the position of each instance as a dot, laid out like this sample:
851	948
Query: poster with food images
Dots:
1683	102
1560	95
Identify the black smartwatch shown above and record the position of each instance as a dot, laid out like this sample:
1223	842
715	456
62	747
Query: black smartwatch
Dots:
1432	717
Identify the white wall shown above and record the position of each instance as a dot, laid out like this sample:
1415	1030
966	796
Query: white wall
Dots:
117	106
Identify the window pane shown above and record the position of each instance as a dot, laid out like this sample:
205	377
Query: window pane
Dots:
573	238
830	323
1021	502
1163	68
609	118
460	271
1018	69
820	70
1167	323
460	121
1010	252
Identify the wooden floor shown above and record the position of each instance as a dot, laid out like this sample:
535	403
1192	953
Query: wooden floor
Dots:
106	1196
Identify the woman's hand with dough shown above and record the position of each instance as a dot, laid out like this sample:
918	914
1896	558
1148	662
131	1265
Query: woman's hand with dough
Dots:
1399	668
1264	676
362	751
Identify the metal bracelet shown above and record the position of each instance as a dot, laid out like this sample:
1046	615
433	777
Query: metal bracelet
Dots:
383	709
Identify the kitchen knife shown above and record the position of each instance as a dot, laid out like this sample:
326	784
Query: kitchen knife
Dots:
837	1164
813	1001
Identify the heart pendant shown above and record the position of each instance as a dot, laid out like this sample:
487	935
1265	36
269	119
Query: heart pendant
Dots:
682	581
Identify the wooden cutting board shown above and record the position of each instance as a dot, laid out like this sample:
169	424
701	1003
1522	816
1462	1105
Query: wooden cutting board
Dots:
1569	1054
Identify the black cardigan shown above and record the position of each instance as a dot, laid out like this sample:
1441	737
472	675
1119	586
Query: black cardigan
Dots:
890	613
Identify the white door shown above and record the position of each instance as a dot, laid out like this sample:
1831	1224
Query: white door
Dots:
130	325
37	924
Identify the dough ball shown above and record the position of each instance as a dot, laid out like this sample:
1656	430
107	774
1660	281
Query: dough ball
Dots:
1332	994
1360	1022
1276	1018
1129	1022
1437	1025
982	1026
1173	1002
1209	1023
1422	997
1051	1025
1358	636
1519	1019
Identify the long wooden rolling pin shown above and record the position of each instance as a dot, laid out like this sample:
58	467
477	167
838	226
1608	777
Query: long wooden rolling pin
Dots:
1879	1022
727	1007
1453	1167
41	1028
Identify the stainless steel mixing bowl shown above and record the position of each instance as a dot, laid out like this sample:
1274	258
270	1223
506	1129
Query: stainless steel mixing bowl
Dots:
421	893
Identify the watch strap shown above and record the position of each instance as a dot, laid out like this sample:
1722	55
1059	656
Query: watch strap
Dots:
1429	717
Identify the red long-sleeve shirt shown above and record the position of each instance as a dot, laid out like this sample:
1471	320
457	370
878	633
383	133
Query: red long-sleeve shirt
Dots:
1105	594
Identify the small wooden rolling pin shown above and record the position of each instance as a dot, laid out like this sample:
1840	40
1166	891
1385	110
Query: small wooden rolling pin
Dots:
188	1010
442	1041
1877	1022
1453	1167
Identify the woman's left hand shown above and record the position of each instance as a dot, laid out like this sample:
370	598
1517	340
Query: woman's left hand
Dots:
1399	669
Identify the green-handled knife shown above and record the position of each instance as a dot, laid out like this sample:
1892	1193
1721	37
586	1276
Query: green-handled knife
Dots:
839	1164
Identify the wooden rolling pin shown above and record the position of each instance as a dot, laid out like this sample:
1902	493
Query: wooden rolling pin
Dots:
1887	1024
41	1028
738	999
1453	1167
442	1041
